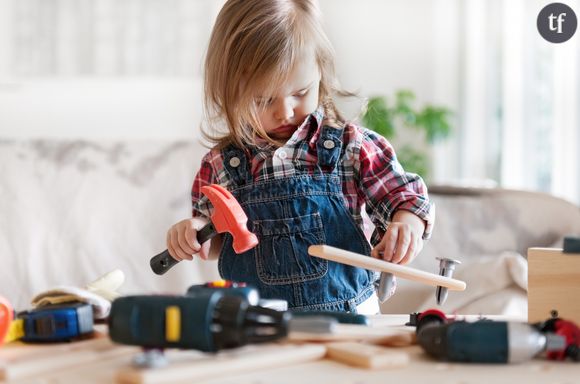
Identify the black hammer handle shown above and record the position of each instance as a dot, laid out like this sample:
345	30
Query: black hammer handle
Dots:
163	261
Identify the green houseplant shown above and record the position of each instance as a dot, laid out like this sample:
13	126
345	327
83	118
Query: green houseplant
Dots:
411	130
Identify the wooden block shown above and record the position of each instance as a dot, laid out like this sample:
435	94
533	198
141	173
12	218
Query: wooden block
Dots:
247	359
367	355
553	284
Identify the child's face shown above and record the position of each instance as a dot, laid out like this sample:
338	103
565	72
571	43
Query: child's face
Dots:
294	101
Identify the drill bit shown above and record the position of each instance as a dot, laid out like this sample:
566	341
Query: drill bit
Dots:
446	268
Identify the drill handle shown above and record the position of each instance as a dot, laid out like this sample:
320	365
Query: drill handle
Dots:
163	262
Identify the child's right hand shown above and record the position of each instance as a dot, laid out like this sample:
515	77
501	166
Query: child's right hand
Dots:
182	241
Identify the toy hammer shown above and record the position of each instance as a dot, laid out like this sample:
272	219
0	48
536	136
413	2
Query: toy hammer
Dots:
228	216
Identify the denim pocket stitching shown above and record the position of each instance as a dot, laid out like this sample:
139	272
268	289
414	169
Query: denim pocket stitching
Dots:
315	230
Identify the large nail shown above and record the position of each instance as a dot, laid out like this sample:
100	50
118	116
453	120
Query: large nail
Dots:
446	268
386	283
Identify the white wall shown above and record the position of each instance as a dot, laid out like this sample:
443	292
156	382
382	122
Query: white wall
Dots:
96	108
381	46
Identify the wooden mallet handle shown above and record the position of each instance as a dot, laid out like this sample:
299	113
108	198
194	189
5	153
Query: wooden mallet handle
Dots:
357	260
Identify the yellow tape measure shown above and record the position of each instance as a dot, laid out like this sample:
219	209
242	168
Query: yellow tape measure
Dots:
15	331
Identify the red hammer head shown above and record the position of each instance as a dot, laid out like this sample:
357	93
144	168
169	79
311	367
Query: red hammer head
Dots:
228	216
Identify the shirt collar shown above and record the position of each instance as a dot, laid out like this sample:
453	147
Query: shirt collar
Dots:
309	127
317	118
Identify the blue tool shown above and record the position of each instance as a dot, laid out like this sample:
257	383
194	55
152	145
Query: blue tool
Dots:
207	321
486	341
228	288
56	323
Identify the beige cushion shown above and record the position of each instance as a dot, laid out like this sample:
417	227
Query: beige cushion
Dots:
486	224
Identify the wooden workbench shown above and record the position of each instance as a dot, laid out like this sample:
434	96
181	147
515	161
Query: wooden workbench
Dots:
420	370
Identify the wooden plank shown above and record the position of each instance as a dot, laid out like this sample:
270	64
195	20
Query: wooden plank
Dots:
367	355
19	360
393	336
247	359
553	284
404	272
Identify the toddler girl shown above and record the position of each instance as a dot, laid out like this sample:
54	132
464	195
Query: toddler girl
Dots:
301	172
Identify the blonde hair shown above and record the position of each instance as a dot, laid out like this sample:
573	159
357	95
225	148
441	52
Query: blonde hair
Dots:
254	46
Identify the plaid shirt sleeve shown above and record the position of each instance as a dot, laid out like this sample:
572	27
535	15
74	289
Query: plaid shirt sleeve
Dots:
387	188
201	206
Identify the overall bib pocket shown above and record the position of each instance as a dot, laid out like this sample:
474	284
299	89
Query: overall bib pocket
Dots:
282	253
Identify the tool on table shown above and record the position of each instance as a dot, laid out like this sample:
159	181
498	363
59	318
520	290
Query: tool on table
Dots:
6	316
341	317
571	244
241	289
362	261
229	288
228	216
487	341
483	341
209	321
56	323
567	330
252	296
446	268
420	319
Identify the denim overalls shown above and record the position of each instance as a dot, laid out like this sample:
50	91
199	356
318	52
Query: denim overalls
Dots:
288	215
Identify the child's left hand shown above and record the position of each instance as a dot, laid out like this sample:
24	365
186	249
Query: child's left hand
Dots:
403	239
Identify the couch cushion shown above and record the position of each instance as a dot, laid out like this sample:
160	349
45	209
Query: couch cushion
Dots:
481	223
71	211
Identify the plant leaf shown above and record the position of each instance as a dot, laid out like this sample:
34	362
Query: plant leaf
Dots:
435	121
379	118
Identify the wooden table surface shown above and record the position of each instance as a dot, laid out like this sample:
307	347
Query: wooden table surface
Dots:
421	369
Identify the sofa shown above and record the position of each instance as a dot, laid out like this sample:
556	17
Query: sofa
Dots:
71	211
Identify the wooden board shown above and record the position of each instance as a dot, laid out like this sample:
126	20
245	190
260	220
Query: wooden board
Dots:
362	261
420	370
208	366
553	283
19	360
367	355
392	336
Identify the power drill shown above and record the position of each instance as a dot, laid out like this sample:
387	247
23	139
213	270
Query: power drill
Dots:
208	321
567	330
486	341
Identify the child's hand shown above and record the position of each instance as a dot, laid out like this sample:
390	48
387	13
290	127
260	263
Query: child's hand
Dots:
403	239
182	241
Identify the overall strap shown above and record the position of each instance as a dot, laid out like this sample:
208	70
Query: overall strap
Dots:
236	164
329	147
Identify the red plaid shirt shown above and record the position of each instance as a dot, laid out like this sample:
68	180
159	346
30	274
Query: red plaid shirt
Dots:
371	175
